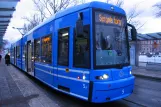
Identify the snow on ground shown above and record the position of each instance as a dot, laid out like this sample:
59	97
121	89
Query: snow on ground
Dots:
155	59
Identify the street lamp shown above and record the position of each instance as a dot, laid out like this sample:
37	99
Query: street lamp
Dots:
19	29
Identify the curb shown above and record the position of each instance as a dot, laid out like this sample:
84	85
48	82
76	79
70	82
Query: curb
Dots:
148	77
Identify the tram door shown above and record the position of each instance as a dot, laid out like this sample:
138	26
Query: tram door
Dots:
63	58
29	58
25	53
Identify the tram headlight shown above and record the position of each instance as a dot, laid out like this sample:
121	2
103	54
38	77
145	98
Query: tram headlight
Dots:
130	73
84	77
103	77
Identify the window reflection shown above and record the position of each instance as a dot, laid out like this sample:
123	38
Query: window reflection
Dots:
81	49
111	44
46	56
24	52
37	49
63	44
18	51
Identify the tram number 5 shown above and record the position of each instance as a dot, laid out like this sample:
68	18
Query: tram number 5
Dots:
84	86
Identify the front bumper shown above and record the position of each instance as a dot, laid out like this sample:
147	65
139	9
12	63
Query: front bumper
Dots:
112	90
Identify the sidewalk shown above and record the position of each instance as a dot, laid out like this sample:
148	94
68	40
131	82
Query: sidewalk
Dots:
17	90
143	72
10	95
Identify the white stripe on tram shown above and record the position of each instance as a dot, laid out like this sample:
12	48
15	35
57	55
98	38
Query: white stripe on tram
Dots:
66	77
70	70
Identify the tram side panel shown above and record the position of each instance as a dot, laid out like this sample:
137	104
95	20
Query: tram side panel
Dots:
18	54
69	78
43	53
12	54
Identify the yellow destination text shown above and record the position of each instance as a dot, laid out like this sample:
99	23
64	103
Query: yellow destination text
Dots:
109	20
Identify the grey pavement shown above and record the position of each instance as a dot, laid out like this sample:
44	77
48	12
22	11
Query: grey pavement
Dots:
17	90
10	95
147	73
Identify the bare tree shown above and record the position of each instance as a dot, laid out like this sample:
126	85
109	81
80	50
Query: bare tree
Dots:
132	17
45	9
132	14
25	28
118	3
33	21
4	43
158	6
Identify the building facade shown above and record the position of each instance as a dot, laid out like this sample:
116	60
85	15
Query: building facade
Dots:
149	46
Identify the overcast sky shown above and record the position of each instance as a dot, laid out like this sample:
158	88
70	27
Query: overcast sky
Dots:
26	7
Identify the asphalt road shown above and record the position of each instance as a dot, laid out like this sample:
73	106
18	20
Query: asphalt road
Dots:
147	93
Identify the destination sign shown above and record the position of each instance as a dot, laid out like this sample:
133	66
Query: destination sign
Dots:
108	18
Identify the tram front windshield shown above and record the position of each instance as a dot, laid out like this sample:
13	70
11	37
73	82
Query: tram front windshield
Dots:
110	39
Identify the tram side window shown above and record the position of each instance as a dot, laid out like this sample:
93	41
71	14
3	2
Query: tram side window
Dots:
37	50
46	55
24	52
18	52
11	53
81	49
63	47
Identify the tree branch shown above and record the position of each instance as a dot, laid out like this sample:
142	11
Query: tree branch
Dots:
46	6
158	6
141	25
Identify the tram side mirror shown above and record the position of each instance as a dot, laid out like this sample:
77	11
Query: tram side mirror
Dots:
133	32
79	25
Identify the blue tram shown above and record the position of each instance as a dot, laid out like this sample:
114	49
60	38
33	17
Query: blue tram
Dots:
82	51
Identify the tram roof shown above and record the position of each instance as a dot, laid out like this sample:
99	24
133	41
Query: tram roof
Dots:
93	4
